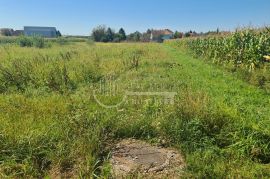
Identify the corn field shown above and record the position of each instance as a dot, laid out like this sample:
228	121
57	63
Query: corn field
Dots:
245	48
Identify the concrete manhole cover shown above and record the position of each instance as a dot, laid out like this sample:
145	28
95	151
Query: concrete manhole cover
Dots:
132	156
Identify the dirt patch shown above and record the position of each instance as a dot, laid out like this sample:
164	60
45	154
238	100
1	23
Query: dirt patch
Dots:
132	157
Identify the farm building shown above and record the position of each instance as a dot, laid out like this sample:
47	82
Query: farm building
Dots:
49	32
160	35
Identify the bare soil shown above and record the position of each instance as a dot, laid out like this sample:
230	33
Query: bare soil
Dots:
139	159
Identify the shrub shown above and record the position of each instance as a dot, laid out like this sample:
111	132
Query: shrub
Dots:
39	42
16	75
25	41
36	41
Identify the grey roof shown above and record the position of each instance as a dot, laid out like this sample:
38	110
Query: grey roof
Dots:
41	28
42	31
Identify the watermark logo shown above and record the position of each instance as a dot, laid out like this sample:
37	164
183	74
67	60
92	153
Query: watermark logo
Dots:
111	93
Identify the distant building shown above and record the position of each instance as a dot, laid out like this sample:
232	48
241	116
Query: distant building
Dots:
161	35
49	32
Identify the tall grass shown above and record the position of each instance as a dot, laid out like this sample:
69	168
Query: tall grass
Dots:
52	126
7	40
40	42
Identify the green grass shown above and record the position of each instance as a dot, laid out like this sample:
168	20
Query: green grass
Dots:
52	125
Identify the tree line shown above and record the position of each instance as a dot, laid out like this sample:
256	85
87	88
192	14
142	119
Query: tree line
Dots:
106	34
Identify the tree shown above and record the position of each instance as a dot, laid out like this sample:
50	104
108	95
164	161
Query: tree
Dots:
146	37
58	34
136	36
117	38
99	33
109	35
190	33
7	32
122	34
187	34
177	35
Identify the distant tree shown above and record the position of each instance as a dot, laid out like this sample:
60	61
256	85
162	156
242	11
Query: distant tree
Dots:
6	32
58	34
99	33
122	34
130	37
109	35
136	36
117	38
177	35
103	34
187	34
146	37
149	31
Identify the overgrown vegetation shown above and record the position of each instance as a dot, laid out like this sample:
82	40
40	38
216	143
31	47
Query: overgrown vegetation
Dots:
241	51
41	42
7	40
51	125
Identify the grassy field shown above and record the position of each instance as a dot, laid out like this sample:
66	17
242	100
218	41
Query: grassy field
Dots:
52	125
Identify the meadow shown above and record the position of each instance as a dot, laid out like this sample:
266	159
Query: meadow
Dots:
51	124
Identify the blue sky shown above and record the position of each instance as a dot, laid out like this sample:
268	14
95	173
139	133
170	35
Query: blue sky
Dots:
78	17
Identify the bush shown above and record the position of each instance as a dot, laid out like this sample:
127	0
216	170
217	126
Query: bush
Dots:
39	42
36	41
25	41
